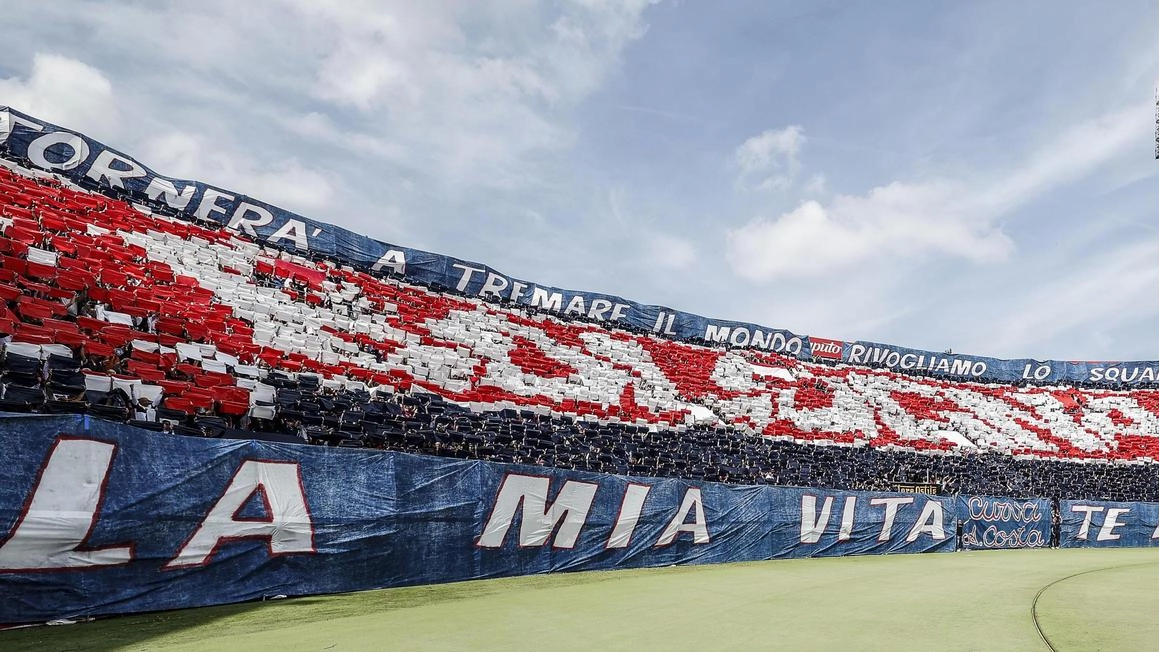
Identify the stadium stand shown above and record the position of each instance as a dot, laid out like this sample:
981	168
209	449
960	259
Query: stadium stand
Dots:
118	310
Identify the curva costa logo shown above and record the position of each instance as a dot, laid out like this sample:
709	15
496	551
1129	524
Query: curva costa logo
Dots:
828	349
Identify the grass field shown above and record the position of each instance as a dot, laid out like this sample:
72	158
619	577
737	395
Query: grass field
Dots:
1083	599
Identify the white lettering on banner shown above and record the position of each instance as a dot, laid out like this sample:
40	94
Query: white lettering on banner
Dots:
891	505
885	357
566	517
813	524
599	308
394	259
102	170
286	527
930	522
498	286
698	527
242	222
741	336
993	537
662	326
468	272
494	285
540	298
1087	511
78	150
159	187
981	509
63	510
517	288
208	205
1041	372
294	231
630	508
538	520
846	531
575	306
1107	531
1130	375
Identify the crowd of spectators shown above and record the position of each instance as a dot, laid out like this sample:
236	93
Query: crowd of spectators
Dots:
304	410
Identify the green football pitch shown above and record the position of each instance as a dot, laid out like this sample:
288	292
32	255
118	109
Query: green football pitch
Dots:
995	600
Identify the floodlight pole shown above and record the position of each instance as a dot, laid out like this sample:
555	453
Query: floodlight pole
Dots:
1157	123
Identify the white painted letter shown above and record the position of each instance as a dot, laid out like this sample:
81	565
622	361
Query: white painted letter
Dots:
812	525
539	520
63	510
891	505
630	508
287	527
698	527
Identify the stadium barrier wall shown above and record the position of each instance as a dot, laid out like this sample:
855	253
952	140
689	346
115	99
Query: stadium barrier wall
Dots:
101	518
88	162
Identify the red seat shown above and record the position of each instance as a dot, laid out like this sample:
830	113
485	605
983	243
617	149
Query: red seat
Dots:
152	376
199	400
28	337
72	340
174	387
98	349
210	379
230	393
9	293
43	272
34	311
179	404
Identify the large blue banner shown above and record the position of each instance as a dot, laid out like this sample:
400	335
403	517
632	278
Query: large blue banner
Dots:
87	161
100	518
1107	524
991	523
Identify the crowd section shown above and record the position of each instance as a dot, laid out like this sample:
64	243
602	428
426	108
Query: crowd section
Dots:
113	309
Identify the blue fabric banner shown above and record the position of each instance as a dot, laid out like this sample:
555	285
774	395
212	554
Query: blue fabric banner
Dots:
990	523
1107	524
87	161
100	518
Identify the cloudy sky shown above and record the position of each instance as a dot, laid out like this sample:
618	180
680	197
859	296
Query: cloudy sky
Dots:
976	175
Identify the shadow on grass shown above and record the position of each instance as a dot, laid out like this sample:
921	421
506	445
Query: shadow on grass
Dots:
188	626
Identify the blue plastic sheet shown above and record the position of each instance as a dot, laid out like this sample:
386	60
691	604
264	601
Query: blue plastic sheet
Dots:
1108	524
992	523
100	518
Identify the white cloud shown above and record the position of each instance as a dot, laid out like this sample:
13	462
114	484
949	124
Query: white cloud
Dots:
287	183
466	90
816	184
66	92
668	252
904	222
1108	291
768	161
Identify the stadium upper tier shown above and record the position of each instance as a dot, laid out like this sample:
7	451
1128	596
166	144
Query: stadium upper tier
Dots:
100	295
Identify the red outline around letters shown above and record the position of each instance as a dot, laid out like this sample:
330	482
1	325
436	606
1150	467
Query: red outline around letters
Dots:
547	505
131	545
702	507
620	512
261	487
